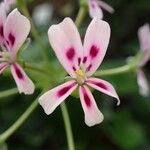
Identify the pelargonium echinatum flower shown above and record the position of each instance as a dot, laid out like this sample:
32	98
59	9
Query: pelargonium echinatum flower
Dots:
144	39
14	30
80	62
96	6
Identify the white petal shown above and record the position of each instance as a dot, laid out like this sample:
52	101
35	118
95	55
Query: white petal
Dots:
66	43
16	30
95	44
51	99
24	84
143	83
103	86
94	9
93	115
144	37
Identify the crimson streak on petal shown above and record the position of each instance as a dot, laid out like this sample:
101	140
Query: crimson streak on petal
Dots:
94	51
70	53
11	39
18	72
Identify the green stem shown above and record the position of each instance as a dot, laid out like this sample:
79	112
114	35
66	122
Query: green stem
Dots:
23	6
114	71
70	140
5	135
8	93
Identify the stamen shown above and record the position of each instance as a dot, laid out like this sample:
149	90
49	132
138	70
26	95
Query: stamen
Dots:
80	73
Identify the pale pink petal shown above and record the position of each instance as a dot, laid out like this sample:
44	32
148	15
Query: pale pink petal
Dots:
92	114
95	44
94	9
144	37
65	41
8	4
103	86
24	84
105	6
146	58
51	99
16	30
2	21
3	66
143	83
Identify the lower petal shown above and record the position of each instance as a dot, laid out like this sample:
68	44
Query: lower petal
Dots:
93	115
143	83
24	84
51	99
3	66
103	86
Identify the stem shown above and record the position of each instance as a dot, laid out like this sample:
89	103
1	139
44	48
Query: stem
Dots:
115	71
67	124
4	136
9	92
34	32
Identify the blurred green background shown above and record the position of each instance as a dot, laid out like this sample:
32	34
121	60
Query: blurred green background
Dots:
126	127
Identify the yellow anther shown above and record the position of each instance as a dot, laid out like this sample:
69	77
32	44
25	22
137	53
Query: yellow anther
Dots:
80	73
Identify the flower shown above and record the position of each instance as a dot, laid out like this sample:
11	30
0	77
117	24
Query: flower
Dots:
80	62
13	32
95	8
144	40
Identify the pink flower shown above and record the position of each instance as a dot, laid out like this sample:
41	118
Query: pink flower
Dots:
13	32
144	39
80	62
95	8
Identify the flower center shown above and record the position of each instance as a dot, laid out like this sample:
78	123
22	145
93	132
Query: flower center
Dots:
6	57
80	76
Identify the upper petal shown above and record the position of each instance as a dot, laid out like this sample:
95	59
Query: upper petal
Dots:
143	83
24	84
65	41
95	44
92	114
16	30
51	99
103	86
2	21
144	37
94	9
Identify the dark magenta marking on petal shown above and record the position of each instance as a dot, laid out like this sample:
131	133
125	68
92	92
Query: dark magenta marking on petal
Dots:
1	31
89	67
79	61
11	39
99	84
84	59
74	68
64	90
94	51
18	72
86	98
70	53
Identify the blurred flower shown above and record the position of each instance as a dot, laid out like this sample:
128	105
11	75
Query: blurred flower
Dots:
144	39
13	32
42	14
9	3
95	8
80	62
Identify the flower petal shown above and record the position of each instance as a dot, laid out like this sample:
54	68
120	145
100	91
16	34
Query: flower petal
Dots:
51	99
143	83
66	43
3	66
105	6
2	21
94	9
8	3
103	86
144	37
93	115
16	30
95	44
24	84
